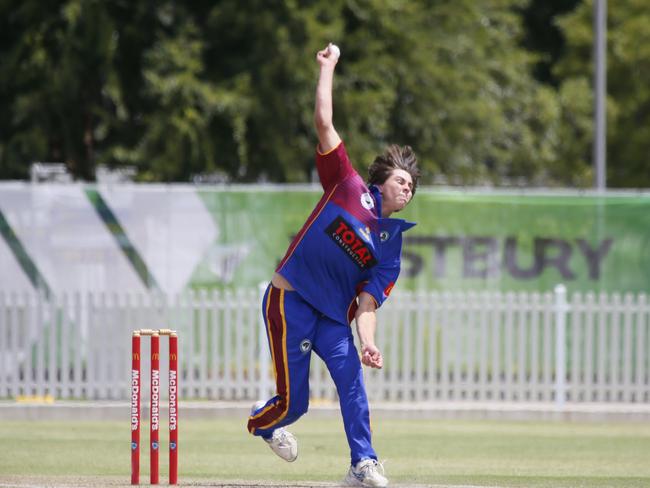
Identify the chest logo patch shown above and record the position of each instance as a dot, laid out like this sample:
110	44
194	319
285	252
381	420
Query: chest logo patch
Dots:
367	201
384	236
354	247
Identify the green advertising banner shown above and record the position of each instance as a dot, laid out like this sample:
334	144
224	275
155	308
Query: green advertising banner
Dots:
463	240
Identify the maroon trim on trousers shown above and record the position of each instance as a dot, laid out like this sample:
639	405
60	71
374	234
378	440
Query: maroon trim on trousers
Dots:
276	327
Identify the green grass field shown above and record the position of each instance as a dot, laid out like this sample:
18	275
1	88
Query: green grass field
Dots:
450	453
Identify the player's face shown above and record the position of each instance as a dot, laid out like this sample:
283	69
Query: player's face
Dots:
396	191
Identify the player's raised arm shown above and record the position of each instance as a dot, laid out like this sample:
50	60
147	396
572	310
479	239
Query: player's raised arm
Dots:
328	138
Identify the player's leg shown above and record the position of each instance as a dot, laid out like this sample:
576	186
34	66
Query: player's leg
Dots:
289	323
334	343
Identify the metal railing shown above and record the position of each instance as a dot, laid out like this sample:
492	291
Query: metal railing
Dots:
456	346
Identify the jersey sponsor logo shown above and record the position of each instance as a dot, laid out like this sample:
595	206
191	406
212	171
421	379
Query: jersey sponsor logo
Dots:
367	201
345	236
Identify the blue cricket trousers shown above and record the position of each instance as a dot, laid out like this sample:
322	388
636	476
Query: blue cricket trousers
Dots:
294	328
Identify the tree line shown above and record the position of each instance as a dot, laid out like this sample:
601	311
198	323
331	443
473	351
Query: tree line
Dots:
493	92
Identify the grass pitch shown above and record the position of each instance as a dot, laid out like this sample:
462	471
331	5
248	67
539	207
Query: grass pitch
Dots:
417	452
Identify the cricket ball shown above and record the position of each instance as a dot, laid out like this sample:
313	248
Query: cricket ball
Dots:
334	51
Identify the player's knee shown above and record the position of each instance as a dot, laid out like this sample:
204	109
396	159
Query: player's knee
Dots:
346	373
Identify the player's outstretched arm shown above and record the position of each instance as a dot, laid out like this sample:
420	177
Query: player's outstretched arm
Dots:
328	138
366	319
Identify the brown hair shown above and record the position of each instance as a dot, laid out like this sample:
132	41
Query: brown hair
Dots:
394	157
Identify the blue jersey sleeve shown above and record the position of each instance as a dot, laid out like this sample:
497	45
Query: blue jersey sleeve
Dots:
381	283
384	276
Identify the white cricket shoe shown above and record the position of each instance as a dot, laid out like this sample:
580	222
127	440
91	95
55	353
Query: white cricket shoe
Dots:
282	442
367	472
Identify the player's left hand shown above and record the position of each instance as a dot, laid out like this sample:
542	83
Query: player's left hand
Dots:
371	356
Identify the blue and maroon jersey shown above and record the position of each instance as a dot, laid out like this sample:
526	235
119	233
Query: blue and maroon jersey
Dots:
345	247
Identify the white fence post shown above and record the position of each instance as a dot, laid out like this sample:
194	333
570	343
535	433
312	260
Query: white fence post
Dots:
561	308
59	347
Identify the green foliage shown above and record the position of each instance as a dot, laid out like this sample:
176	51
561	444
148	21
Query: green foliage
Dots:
52	79
175	140
449	79
226	88
543	36
628	69
267	50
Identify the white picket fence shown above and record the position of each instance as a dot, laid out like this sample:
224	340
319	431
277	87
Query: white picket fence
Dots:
470	346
